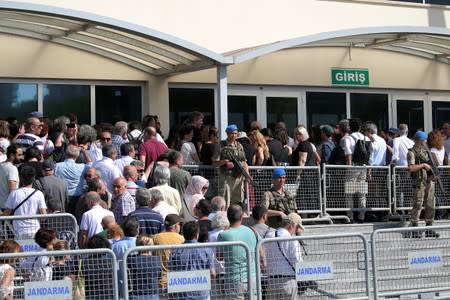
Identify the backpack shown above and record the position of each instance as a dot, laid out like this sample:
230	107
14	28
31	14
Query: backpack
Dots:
328	145
136	141
337	156
362	152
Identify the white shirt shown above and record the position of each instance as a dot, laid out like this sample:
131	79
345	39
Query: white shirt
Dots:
91	221
160	139
122	162
108	170
165	209
26	227
171	196
95	152
378	155
401	145
188	149
276	264
440	154
8	172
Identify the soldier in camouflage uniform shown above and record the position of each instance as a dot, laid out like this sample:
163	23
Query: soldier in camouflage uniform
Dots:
419	164
277	200
231	186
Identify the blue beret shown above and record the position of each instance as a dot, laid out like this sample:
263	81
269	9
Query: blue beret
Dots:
231	128
278	172
421	136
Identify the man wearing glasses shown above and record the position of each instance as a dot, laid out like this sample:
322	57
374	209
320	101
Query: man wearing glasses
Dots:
30	138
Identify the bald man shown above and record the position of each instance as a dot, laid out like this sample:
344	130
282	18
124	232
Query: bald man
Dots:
123	201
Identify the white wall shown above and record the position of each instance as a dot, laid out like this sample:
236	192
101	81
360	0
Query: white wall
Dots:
234	24
312	67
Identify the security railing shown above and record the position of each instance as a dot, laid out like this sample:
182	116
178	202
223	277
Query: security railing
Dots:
313	267
222	270
356	189
403	189
74	274
411	262
23	228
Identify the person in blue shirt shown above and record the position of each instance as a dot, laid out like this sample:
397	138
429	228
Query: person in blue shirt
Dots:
192	259
144	272
131	230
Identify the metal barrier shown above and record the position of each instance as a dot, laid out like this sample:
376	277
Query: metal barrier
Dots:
303	182
356	189
404	265
23	228
60	274
403	190
319	267
195	271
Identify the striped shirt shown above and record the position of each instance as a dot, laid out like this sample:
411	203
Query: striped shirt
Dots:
150	221
123	205
28	140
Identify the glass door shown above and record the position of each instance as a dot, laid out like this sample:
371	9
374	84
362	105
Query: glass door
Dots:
409	109
440	112
282	109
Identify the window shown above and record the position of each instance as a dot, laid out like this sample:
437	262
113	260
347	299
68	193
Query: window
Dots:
410	112
325	108
182	101
282	109
17	100
441	113
62	99
114	103
241	111
370	107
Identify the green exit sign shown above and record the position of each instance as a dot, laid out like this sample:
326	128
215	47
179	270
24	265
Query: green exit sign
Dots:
354	77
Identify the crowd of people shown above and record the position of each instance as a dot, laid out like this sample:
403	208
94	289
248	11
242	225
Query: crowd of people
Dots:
125	186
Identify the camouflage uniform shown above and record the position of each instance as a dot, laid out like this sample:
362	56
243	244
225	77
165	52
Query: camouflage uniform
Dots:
423	186
284	202
231	186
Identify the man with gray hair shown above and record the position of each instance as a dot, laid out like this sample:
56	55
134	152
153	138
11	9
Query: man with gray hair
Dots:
150	221
72	173
401	146
217	204
119	135
171	196
158	204
91	221
107	167
379	147
179	178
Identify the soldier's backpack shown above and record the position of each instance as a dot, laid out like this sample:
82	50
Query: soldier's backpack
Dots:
362	152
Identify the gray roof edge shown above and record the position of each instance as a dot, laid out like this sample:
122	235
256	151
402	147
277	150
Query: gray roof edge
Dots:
286	44
111	22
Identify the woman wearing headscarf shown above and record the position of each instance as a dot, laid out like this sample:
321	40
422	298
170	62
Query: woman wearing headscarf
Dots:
195	191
